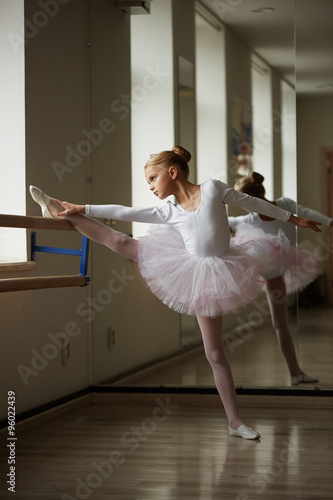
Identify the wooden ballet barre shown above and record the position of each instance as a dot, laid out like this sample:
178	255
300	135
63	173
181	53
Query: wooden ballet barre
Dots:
21	284
30	222
41	282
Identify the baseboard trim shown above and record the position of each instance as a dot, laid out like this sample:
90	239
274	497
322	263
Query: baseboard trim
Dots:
190	396
49	411
213	399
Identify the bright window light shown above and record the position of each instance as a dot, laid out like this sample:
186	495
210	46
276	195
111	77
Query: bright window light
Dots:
152	116
13	246
210	102
289	151
262	114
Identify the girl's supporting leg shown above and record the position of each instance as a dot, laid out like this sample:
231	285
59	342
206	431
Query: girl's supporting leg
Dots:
212	329
96	231
277	299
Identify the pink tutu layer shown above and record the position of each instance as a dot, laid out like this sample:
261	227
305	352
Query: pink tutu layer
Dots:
208	286
298	265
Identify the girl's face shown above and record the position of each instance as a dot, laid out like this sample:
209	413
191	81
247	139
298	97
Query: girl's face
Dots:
160	181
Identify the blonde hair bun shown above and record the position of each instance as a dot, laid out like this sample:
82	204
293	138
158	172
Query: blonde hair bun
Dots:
182	152
177	157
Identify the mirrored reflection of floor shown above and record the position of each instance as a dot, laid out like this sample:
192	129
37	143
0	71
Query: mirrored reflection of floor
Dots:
255	358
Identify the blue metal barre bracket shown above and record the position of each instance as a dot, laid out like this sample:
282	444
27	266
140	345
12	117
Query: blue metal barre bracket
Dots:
83	253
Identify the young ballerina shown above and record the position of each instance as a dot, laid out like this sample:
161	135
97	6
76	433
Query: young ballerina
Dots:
190	263
291	269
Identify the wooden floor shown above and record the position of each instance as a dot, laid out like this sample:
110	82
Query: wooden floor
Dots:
255	358
165	448
176	447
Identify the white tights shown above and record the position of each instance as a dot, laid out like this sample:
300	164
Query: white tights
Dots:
211	330
96	231
278	307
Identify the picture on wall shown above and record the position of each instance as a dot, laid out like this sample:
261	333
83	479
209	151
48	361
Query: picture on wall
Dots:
241	136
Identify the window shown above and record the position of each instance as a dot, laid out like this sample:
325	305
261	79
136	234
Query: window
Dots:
262	122
152	113
13	246
211	102
288	130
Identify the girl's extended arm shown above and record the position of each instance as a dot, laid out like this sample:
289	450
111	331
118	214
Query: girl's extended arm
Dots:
308	213
265	208
153	215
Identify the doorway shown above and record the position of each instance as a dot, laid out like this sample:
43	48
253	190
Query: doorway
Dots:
327	208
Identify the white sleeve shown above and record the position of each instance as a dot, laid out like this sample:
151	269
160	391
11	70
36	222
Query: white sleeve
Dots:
307	213
154	215
233	197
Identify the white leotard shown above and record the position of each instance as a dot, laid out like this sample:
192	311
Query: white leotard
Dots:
273	227
205	231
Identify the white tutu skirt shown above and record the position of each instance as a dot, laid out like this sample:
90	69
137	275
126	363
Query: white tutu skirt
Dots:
298	266
208	286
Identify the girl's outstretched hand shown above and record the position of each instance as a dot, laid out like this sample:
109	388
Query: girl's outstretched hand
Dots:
70	208
308	223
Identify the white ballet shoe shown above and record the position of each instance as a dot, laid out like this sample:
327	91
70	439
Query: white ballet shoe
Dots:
244	432
303	378
42	199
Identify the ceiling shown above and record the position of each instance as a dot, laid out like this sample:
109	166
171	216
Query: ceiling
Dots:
295	38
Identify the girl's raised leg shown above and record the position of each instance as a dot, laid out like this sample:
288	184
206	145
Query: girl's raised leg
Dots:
211	330
93	229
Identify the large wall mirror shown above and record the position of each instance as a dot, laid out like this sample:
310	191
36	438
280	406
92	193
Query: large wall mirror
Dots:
291	39
314	91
